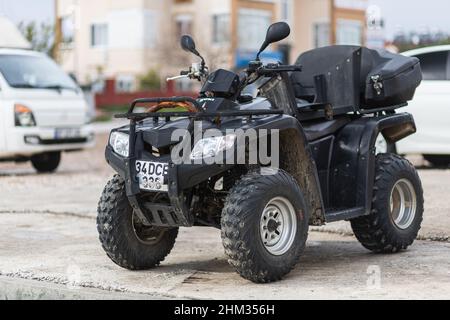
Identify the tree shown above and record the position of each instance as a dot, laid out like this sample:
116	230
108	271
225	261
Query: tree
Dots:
150	81
41	36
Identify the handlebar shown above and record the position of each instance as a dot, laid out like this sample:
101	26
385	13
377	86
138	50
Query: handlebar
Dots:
271	69
257	69
194	73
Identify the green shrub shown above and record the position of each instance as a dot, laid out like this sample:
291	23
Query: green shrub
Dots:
150	81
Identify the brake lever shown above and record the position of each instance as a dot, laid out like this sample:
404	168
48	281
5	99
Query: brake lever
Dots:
184	76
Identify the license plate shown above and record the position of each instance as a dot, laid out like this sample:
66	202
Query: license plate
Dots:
152	176
67	133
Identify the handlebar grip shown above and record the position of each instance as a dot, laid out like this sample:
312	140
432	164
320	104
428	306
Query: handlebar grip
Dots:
278	69
290	68
184	73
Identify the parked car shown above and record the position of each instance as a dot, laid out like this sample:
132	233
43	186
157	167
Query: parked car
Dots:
42	111
431	107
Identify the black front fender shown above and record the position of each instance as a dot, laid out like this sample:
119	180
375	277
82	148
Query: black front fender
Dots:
296	158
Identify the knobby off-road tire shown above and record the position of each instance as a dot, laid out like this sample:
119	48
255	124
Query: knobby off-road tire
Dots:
243	236
46	162
383	231
117	228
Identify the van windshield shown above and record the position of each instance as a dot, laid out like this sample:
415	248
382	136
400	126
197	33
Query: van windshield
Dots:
34	72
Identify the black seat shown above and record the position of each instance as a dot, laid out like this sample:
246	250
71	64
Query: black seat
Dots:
316	130
304	105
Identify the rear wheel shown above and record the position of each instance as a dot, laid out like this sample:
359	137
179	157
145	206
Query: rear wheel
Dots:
438	160
397	207
126	240
46	162
265	225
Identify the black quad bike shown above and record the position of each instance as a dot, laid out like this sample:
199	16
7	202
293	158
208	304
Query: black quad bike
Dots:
324	114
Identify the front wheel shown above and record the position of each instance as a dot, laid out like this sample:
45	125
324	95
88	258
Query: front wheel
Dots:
46	162
125	239
265	225
397	207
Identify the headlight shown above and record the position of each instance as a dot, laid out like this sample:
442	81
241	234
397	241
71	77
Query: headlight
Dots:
23	116
120	142
211	147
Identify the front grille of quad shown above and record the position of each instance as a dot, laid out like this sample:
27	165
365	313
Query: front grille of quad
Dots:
157	152
162	215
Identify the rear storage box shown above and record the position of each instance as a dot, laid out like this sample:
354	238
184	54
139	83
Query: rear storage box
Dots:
356	78
392	80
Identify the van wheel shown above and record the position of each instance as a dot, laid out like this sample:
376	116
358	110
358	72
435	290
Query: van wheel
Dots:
126	240
438	160
397	207
46	162
265	225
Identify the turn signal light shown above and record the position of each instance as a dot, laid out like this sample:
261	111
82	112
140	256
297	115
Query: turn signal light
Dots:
23	116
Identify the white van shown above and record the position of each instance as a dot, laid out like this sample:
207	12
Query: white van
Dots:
431	107
42	111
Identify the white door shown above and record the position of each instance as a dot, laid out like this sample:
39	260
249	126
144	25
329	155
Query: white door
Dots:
431	108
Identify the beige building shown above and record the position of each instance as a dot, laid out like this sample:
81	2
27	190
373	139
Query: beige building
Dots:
123	39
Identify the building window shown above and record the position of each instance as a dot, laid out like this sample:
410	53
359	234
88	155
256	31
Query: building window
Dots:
286	10
183	25
150	29
99	35
321	34
349	32
221	28
67	30
251	22
125	83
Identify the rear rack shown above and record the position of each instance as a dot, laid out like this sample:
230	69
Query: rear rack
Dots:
387	109
200	114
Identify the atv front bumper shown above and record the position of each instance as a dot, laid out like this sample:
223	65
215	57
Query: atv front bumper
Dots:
181	179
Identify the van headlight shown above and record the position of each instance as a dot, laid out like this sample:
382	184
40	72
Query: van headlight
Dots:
23	116
211	147
120	142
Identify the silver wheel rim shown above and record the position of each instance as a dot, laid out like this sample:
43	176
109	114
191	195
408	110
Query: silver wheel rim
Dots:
403	204
278	226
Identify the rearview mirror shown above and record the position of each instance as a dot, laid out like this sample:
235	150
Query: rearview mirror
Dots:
276	32
188	44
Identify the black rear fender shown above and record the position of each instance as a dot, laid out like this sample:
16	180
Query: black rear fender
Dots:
353	159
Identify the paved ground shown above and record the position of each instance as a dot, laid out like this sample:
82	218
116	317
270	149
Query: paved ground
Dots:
49	240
